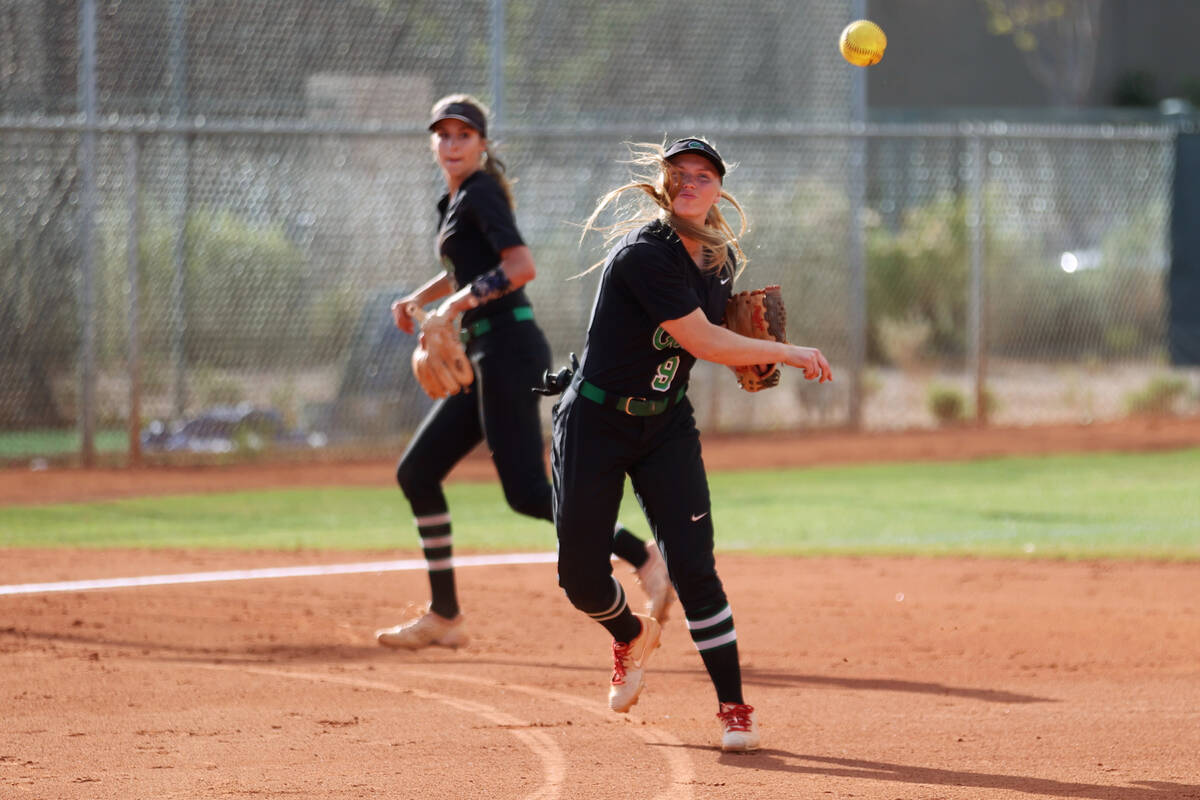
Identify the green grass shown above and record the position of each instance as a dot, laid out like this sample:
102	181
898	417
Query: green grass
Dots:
1094	506
49	443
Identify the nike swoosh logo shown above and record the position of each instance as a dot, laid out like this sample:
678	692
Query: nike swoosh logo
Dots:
698	517
725	281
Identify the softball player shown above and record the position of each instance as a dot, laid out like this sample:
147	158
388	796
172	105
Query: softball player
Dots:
484	254
658	308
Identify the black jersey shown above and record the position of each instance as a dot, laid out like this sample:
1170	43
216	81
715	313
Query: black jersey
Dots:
474	227
648	279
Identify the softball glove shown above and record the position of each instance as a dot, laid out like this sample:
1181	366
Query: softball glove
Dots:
759	314
440	361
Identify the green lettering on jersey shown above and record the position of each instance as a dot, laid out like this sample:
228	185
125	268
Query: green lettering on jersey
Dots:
666	373
663	340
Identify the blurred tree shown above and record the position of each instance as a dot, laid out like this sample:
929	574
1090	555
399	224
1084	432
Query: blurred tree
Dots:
38	307
1057	38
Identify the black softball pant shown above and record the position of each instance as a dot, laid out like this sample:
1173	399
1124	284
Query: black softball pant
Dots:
592	451
499	407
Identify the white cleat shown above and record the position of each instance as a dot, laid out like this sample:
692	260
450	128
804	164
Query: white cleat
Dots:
629	663
739	730
427	630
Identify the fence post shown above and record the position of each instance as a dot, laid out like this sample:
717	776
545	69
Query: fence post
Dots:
857	248
179	197
977	299
87	223
132	255
498	10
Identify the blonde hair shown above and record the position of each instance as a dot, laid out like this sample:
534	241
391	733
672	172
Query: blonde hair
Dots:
716	236
492	164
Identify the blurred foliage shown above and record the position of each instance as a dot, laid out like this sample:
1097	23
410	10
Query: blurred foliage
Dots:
1020	18
1160	396
39	308
918	277
245	289
1057	39
947	404
919	274
807	256
905	342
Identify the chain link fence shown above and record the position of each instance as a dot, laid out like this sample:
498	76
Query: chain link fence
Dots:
207	207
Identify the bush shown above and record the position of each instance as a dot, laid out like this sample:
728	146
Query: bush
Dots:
919	274
947	404
1158	397
39	307
246	298
904	342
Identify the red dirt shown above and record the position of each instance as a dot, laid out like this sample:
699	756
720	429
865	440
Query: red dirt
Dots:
924	679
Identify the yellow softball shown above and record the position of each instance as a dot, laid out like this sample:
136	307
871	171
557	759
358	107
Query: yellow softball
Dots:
862	43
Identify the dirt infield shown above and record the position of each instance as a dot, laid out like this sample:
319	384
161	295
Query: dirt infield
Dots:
874	678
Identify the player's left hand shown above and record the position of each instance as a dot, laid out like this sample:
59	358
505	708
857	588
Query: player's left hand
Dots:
810	361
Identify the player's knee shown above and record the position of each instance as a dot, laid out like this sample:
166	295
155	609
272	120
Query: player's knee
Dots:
588	596
413	482
589	587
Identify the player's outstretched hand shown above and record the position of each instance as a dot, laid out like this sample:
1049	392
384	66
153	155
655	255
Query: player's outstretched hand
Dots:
810	361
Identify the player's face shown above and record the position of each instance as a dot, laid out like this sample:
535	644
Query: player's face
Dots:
695	187
458	149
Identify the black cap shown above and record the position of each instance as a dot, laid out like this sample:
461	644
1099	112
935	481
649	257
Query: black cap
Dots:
698	147
464	112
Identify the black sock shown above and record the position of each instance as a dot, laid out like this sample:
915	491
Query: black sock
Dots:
725	671
443	594
629	547
624	627
434	530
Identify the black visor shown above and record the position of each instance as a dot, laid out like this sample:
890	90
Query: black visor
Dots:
463	112
697	147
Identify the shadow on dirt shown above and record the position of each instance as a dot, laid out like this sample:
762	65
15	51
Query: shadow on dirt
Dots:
802	764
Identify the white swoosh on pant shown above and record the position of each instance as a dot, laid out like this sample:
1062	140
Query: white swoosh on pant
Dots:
698	517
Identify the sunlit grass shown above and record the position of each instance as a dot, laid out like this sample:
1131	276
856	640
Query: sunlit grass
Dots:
1074	506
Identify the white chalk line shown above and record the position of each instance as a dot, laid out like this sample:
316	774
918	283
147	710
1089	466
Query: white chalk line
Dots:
682	775
540	743
402	565
554	760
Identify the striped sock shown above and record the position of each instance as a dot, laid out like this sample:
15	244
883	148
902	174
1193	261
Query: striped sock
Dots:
436	543
617	619
715	637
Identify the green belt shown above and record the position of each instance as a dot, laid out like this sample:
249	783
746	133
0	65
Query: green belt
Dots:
488	324
633	406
